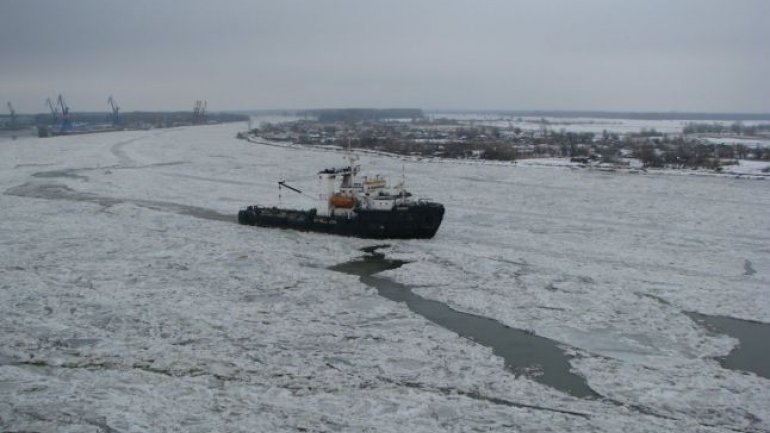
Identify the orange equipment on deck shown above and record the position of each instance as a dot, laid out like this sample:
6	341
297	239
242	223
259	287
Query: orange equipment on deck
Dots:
342	201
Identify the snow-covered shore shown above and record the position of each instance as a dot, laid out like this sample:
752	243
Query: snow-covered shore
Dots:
750	169
129	301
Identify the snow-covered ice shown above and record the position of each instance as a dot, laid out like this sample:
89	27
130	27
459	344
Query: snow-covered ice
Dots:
130	301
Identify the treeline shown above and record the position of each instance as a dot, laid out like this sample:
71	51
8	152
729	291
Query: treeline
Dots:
487	143
360	114
683	153
718	128
669	115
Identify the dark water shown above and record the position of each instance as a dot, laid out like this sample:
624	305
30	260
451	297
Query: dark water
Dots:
524	353
6	135
753	352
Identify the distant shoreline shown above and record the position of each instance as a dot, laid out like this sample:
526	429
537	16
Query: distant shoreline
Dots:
600	114
597	114
641	115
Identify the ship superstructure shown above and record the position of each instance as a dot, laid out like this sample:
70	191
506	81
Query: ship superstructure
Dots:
355	206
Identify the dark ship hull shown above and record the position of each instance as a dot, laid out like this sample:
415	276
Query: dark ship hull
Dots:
418	220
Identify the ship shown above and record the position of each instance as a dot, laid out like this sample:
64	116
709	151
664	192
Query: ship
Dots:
364	207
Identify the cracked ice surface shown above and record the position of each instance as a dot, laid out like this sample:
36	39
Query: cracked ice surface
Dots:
129	303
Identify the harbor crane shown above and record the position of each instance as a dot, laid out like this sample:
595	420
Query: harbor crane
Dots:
199	112
66	122
13	114
196	111
54	109
115	110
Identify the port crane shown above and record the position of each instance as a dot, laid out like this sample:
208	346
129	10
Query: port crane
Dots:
115	110
13	115
54	109
66	122
199	112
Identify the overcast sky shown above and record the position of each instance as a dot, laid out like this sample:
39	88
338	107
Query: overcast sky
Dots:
634	55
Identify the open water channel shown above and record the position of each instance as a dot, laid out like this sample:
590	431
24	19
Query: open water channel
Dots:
540	358
752	353
523	352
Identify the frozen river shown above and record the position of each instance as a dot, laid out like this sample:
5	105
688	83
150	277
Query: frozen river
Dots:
130	301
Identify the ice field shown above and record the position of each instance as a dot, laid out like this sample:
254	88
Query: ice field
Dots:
131	301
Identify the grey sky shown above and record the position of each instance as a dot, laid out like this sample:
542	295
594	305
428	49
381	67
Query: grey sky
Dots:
644	55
